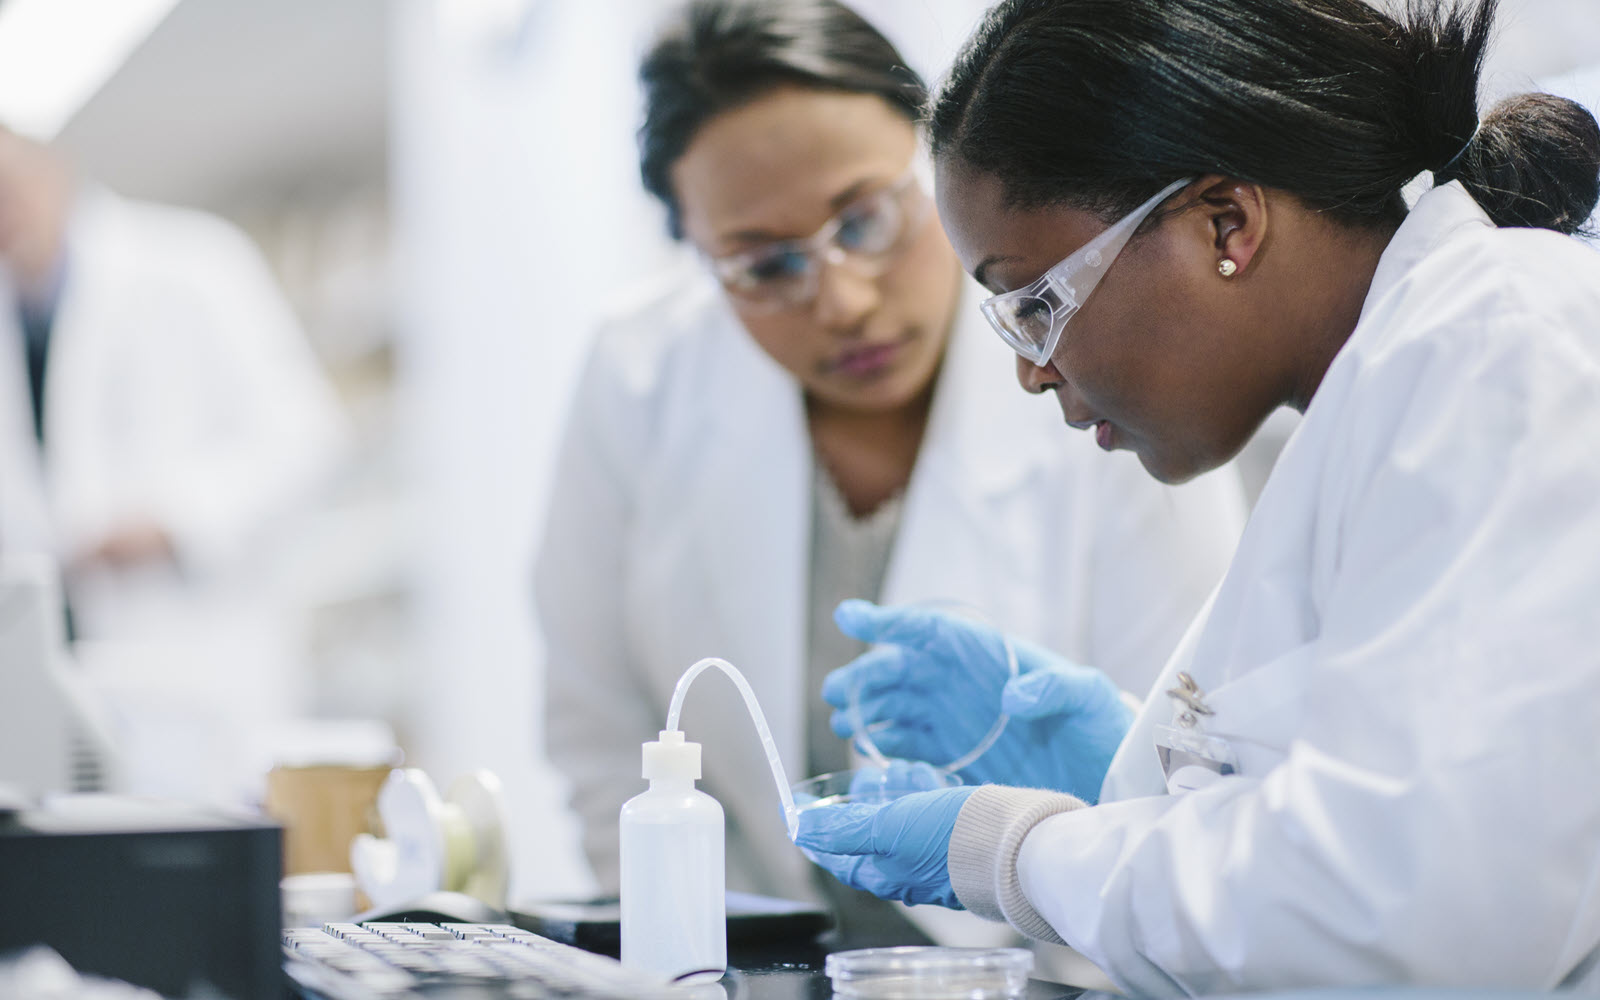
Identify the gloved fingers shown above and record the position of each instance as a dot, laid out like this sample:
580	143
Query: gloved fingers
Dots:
1067	689
864	873
840	829
915	626
912	743
844	867
875	670
902	707
843	724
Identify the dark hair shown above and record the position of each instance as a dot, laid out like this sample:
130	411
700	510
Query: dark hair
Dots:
1097	103
718	54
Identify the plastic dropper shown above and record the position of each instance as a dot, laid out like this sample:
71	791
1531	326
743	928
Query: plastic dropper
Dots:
791	815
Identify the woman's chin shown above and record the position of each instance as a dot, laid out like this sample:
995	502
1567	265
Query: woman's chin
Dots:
1169	468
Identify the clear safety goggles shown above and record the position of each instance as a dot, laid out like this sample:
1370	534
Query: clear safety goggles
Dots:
1030	320
865	236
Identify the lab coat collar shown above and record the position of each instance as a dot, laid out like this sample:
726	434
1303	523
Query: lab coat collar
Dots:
1438	216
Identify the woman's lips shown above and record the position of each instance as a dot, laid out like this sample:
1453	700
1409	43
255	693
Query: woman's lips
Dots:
1102	434
1103	431
865	361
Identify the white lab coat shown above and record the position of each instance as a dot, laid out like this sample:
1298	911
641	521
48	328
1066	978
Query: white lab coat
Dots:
179	388
1404	657
680	524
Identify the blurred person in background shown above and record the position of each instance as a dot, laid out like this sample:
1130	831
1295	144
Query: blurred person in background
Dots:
159	407
815	411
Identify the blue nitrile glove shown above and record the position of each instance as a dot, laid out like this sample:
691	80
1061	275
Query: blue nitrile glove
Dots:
940	681
898	850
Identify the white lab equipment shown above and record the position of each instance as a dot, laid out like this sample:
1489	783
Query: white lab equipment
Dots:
1404	661
52	738
456	843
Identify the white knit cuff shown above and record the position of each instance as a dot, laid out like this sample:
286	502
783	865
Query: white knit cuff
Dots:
983	853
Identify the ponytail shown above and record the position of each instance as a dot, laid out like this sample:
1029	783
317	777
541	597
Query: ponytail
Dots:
1535	161
1098	103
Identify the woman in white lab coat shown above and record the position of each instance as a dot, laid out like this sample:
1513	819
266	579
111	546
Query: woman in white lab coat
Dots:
1372	759
821	426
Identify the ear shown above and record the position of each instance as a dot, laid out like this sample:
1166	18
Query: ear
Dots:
1236	212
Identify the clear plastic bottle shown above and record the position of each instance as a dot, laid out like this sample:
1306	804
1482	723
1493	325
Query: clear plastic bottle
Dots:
674	907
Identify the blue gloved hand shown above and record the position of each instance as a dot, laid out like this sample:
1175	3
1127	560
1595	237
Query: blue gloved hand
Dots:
939	681
898	850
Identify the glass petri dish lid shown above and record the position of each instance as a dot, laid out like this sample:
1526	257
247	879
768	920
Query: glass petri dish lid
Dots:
871	784
930	973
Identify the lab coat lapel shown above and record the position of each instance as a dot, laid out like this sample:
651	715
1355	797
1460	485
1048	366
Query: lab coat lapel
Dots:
954	519
88	425
757	532
24	511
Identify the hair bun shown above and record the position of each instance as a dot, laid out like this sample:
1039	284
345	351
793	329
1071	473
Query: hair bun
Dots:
1535	161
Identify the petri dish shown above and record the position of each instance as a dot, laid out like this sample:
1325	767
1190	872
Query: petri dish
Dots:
872	785
863	737
930	973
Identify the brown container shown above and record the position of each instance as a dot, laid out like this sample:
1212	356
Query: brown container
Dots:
322	807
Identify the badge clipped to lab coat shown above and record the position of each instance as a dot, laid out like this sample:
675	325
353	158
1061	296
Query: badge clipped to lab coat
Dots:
1190	757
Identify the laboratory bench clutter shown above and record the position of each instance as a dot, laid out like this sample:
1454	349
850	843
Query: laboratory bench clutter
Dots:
103	890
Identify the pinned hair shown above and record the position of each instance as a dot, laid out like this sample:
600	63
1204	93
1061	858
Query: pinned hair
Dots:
716	55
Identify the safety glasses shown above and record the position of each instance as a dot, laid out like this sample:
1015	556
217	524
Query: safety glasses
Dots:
866	235
1031	319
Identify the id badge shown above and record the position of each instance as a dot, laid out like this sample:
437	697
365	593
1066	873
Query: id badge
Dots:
1191	759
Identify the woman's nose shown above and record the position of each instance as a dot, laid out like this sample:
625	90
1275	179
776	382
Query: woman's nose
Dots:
845	298
1037	379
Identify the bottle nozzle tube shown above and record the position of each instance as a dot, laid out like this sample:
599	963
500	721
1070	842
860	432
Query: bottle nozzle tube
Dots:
791	816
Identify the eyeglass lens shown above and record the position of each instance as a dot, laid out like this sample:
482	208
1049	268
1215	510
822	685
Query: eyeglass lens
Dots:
786	272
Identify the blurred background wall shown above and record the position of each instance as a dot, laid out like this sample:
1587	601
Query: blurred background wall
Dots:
446	190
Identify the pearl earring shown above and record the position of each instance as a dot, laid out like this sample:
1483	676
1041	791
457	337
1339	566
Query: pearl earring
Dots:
1227	268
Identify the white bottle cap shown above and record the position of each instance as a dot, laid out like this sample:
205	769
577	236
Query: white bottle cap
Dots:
672	757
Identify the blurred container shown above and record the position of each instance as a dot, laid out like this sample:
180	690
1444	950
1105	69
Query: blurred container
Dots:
312	899
324	788
322	807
